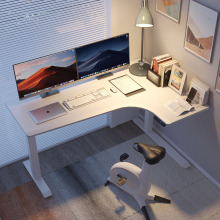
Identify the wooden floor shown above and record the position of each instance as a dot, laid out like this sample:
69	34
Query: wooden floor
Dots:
15	174
17	189
76	172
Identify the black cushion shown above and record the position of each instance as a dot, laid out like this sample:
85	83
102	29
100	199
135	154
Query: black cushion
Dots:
152	154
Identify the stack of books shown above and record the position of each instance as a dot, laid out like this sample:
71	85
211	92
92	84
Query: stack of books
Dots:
162	65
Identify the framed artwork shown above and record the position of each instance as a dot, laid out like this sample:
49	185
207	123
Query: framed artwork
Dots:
177	79
200	30
169	8
217	85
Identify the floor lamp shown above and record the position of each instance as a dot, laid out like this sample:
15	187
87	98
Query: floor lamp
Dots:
144	19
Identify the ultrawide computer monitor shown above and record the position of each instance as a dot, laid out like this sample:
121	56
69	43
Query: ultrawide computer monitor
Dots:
45	74
102	57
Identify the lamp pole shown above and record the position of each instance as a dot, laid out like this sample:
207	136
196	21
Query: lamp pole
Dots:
142	37
142	44
143	4
144	19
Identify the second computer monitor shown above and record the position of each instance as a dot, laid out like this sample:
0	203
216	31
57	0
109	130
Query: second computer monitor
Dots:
103	56
45	74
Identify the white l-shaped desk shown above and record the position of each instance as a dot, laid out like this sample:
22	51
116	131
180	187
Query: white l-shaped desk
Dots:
151	100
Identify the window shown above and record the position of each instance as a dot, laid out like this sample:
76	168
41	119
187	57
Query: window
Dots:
33	28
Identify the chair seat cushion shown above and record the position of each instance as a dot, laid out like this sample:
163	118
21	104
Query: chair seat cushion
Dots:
152	154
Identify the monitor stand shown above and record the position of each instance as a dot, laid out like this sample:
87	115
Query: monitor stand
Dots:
105	75
46	94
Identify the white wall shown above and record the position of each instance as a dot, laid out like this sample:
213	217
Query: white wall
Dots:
198	136
123	18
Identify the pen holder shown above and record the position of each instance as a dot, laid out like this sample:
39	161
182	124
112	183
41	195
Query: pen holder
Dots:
154	77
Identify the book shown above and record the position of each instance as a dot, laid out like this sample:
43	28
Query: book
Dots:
165	71
157	63
178	106
157	59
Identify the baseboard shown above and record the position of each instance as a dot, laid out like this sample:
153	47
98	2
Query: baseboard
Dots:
196	165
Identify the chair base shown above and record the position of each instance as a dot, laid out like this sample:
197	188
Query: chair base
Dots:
134	181
143	208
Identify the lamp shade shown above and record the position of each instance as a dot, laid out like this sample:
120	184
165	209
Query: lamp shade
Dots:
144	18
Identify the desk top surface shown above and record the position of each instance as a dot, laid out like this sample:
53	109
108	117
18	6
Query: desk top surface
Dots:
152	99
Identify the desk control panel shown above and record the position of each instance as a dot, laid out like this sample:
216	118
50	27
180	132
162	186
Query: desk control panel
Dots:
86	98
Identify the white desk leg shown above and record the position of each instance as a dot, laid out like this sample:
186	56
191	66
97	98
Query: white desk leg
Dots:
147	127
33	167
120	116
148	121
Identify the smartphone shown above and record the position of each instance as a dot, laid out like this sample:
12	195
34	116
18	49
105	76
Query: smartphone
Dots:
191	95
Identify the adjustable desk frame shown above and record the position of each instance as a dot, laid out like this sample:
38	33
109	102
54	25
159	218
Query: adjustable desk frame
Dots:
152	100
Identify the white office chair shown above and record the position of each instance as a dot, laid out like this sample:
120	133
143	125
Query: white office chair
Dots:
136	181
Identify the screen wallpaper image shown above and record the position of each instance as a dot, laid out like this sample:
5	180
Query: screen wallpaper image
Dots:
102	56
46	72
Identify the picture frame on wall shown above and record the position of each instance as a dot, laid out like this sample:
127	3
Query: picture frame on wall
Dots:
200	30
177	79
217	85
169	8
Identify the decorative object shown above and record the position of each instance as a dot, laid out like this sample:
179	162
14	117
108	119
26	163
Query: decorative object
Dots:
169	8
154	77
144	19
200	30
177	79
202	94
165	71
217	86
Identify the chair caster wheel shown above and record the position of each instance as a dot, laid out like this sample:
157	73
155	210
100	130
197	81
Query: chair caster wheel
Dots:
107	183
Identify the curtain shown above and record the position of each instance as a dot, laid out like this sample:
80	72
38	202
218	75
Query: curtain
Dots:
30	29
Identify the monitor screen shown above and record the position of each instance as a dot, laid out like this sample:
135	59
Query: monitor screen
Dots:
103	56
45	74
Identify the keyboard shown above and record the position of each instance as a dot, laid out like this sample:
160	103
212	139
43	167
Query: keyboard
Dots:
86	98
